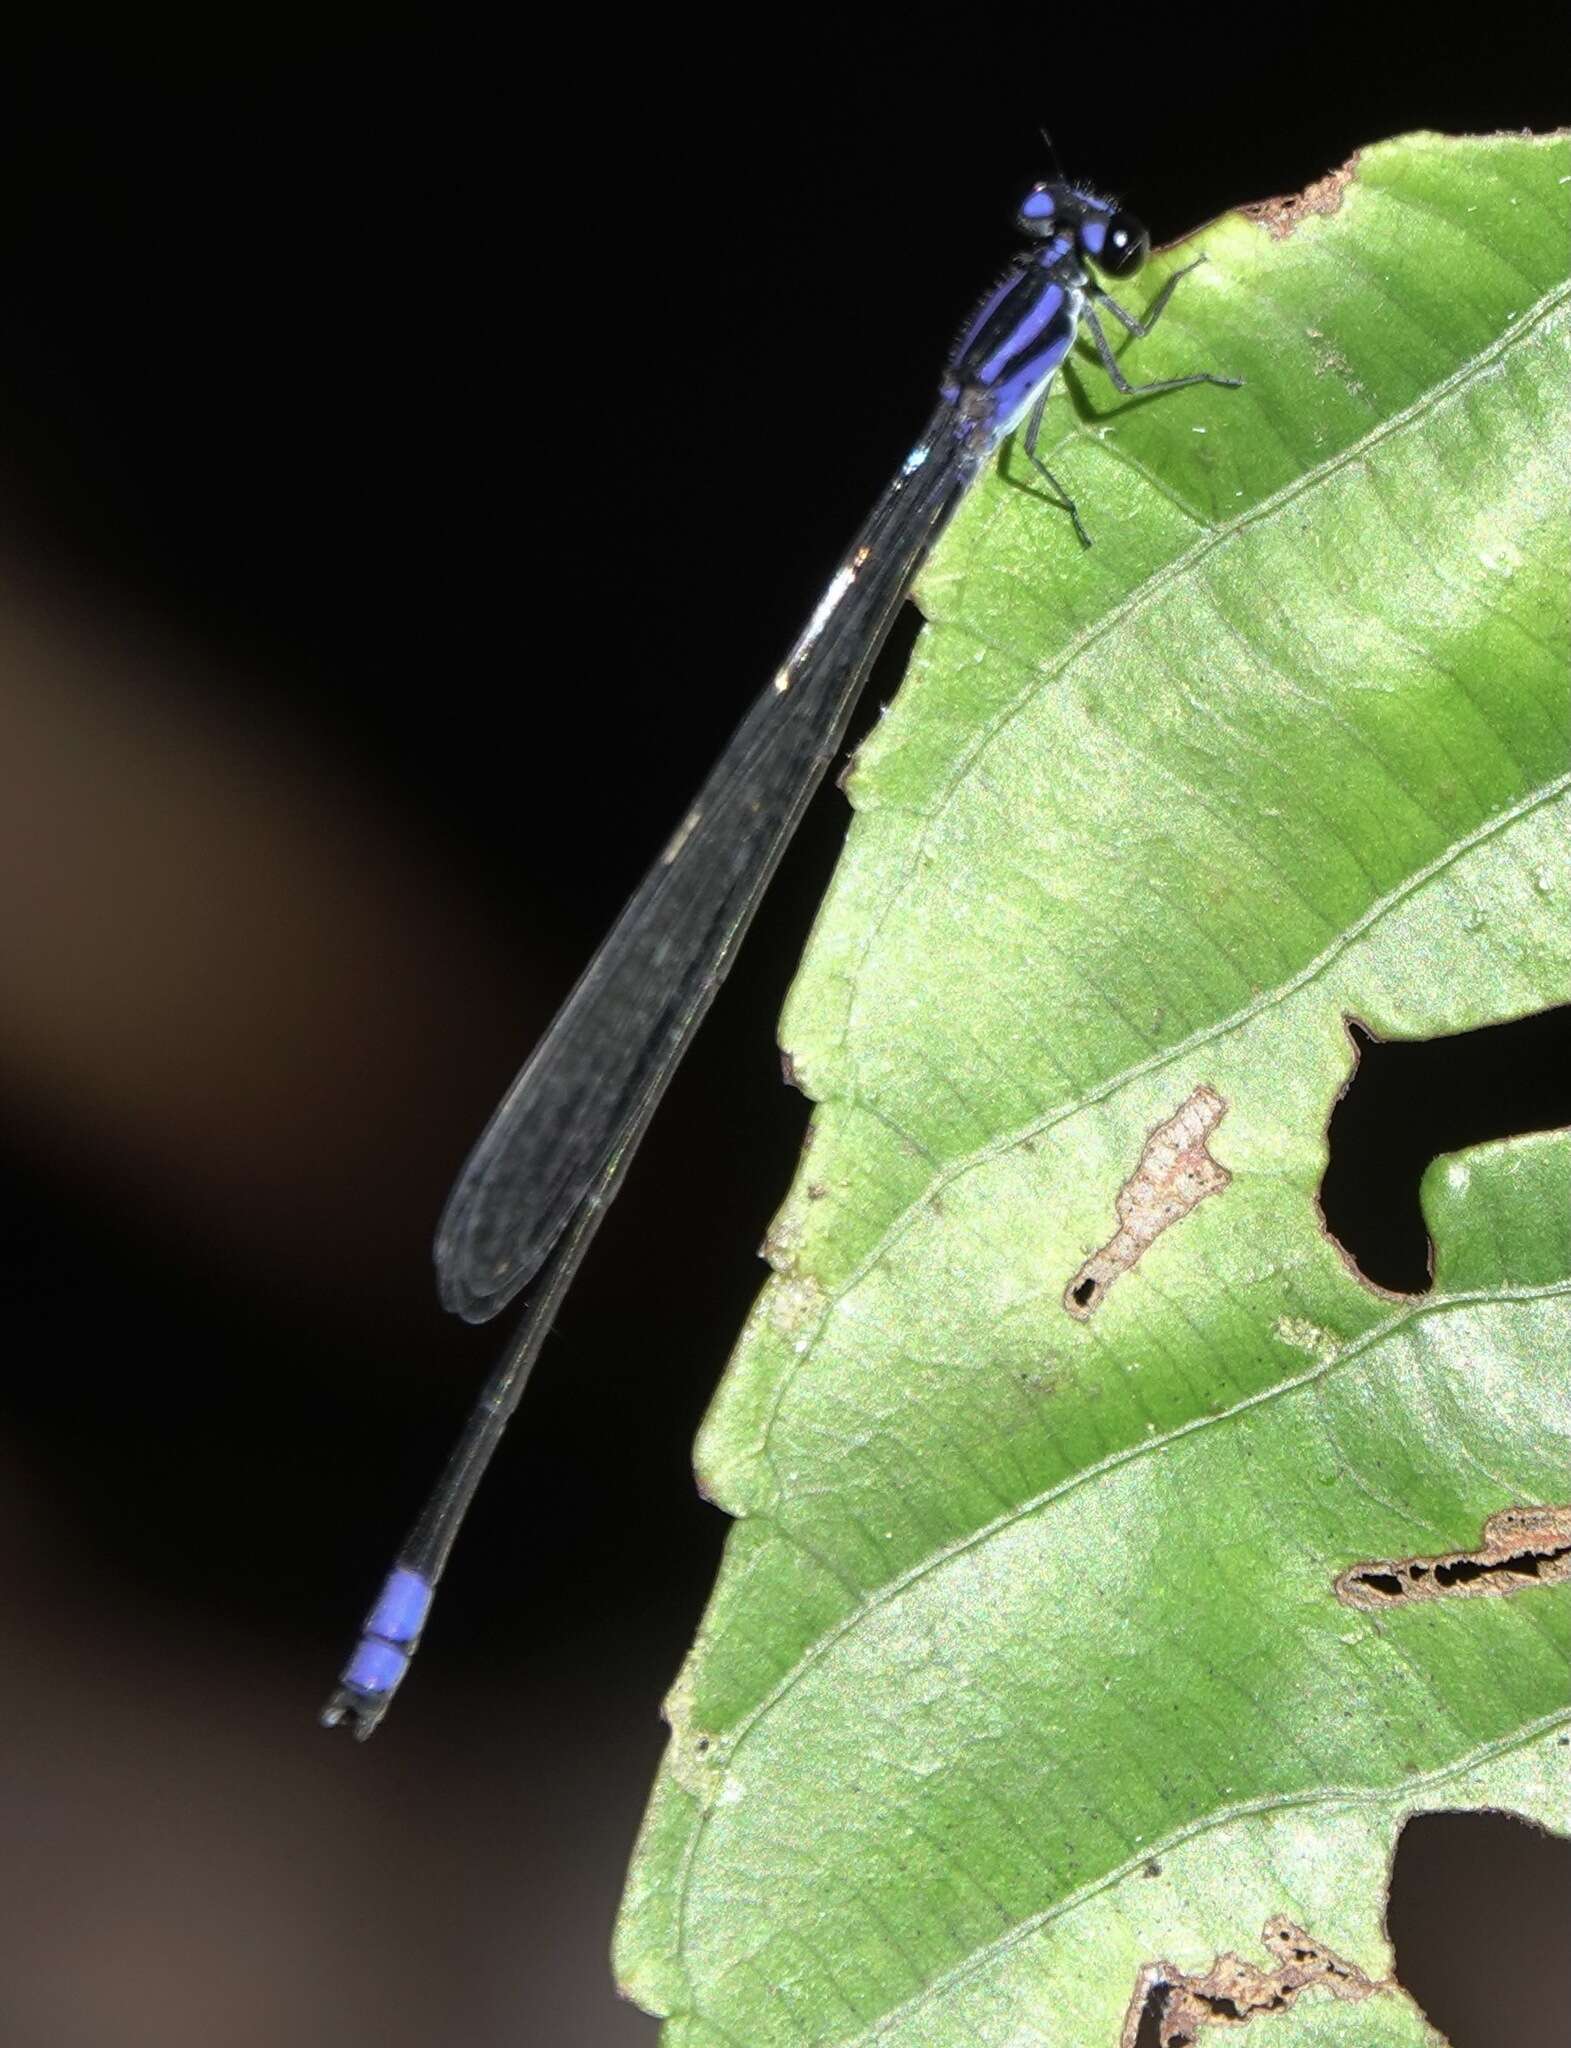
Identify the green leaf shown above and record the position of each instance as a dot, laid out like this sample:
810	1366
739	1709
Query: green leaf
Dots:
1027	1668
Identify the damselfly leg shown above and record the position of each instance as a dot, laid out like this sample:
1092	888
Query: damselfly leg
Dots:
1095	297
1029	442
1139	329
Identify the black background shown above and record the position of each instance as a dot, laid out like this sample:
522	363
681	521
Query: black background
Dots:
416	446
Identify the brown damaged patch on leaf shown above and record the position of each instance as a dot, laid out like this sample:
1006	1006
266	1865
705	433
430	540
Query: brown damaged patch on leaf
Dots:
1175	1174
1234	1991
1280	217
1522	1547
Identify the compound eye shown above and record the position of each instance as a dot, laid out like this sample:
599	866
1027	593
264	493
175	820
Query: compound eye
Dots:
1125	246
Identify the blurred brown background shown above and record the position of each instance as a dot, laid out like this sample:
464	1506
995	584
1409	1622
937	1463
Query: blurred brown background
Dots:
414	450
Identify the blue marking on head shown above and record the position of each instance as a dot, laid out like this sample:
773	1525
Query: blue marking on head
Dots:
1058	204
1093	234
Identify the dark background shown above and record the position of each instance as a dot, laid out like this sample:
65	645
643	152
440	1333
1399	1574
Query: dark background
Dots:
415	449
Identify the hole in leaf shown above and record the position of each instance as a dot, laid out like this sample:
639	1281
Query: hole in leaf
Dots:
1385	1582
1409	1100
1149	2033
1525	1545
1477	1916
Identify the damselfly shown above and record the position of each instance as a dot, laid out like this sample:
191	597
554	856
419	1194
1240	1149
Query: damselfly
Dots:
531	1196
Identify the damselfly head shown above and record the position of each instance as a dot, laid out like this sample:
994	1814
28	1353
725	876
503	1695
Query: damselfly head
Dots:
1105	234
